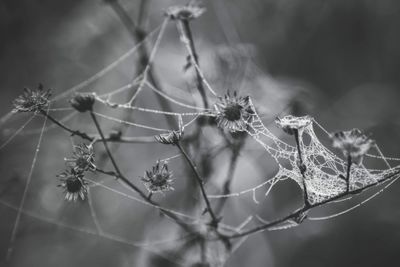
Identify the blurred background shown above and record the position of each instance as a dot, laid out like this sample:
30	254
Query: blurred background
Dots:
335	60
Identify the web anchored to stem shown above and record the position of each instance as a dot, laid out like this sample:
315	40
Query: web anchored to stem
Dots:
322	176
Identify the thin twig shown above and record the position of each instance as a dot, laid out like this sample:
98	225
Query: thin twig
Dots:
93	138
349	162
231	170
199	180
187	39
66	128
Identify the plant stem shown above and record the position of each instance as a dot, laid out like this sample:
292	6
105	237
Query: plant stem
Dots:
95	139
231	170
349	163
66	128
301	167
187	39
199	180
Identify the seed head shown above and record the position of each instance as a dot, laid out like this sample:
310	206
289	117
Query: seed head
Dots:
186	12
159	179
82	102
291	123
233	112
352	143
82	158
73	184
32	100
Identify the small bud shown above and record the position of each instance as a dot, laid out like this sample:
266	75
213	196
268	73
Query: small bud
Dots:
170	138
115	135
299	218
83	102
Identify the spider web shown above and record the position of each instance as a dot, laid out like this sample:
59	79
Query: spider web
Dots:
106	99
323	167
324	170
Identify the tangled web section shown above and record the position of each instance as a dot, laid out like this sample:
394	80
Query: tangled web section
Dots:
324	170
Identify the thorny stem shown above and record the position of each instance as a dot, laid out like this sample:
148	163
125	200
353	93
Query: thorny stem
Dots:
298	212
199	180
302	168
349	162
187	39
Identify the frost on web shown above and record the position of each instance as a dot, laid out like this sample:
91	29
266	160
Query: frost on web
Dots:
324	175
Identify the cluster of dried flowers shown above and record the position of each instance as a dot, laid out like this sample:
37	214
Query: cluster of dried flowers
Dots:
73	178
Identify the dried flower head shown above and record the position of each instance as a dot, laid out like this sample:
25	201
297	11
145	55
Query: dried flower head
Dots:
82	102
159	179
32	100
233	112
82	158
291	123
186	12
352	143
73	184
170	138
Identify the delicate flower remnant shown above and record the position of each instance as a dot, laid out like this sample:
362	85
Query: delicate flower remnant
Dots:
233	112
170	138
290	124
32	100
82	158
159	179
186	12
294	126
83	102
73	184
354	144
